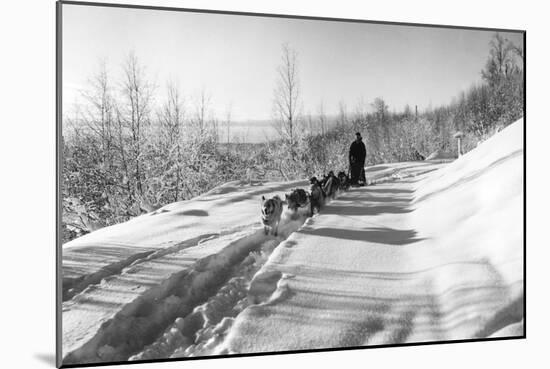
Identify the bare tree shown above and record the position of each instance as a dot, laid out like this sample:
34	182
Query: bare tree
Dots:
171	125
137	95
171	116
381	109
202	144
98	113
228	123
500	63
342	119
200	123
322	117
286	99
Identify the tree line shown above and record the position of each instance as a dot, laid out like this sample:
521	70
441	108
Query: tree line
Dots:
308	147
126	153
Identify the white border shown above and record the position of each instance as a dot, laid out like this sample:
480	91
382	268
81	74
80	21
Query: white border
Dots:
28	181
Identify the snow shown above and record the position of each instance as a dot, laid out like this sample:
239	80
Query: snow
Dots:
224	210
428	251
435	257
123	270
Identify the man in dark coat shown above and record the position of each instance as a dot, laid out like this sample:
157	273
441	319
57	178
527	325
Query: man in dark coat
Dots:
357	154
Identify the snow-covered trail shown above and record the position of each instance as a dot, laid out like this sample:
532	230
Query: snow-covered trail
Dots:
433	257
224	210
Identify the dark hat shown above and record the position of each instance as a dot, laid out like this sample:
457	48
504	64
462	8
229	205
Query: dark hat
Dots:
358	134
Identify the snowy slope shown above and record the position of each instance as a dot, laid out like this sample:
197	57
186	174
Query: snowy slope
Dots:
428	251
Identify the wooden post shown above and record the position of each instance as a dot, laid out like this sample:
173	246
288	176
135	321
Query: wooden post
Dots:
459	136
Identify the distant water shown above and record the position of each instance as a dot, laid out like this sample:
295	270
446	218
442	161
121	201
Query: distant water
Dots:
252	131
255	131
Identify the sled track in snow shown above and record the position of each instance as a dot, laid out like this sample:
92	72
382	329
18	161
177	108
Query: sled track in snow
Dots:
73	286
143	325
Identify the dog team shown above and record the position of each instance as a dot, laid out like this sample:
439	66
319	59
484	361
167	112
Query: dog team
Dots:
315	199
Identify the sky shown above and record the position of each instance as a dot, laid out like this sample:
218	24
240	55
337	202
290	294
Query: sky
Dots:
234	58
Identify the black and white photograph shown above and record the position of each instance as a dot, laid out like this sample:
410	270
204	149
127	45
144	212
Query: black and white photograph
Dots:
234	184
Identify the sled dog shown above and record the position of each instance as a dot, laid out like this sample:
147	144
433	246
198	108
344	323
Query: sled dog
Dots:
344	181
271	214
298	198
331	185
317	195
